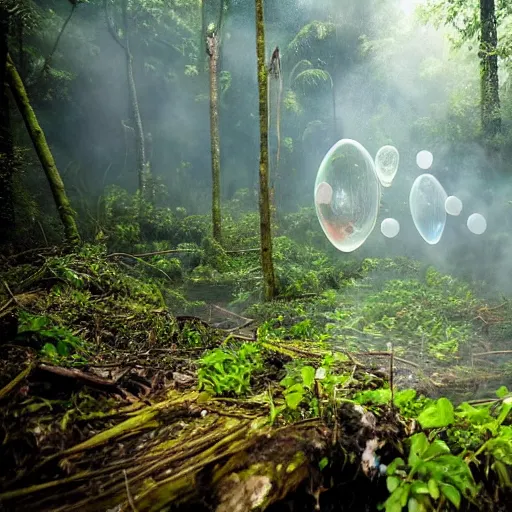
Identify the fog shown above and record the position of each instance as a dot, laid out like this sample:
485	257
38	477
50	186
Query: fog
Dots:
396	81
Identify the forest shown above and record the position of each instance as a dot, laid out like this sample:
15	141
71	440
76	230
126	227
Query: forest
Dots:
254	255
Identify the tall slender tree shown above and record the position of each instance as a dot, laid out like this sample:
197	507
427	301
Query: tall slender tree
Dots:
267	264
143	168
490	97
66	213
212	48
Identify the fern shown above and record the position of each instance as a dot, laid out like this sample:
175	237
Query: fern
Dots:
309	34
21	11
311	78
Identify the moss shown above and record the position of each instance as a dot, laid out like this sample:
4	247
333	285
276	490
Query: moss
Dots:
66	213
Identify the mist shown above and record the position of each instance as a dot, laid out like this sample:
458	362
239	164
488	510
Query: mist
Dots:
396	81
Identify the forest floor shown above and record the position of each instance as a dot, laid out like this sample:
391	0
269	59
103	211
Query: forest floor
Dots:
119	395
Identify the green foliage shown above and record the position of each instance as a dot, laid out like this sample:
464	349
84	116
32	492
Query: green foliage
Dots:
308	35
225	372
126	226
437	415
431	473
479	436
435	312
298	385
311	79
214	255
133	309
58	342
306	387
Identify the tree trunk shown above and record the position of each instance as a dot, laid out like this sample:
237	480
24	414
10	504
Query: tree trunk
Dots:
213	53
264	198
490	99
66	213
6	147
142	164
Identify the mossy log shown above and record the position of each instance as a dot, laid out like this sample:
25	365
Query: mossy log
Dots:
177	452
66	213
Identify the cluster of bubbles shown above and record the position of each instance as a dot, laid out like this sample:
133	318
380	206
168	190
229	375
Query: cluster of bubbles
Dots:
348	191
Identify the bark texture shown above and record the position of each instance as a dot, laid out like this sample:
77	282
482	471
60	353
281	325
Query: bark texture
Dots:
264	197
66	213
143	167
213	54
490	99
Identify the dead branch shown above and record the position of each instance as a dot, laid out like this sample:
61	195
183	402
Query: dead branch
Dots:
495	353
86	378
4	392
388	354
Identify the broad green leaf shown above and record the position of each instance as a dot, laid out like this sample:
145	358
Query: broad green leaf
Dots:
433	489
438	415
477	416
392	505
419	487
293	399
50	350
404	397
394	465
308	376
438	447
451	494
405	494
392	482
413	505
502	392
419	444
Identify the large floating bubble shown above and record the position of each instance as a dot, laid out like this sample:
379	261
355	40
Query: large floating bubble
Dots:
426	201
477	223
424	159
350	215
386	164
390	228
453	205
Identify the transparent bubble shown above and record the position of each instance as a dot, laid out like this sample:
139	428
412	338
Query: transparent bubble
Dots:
477	224
386	164
323	194
350	216
453	205
390	228
425	159
426	201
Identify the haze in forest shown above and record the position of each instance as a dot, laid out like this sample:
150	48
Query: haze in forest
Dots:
396	80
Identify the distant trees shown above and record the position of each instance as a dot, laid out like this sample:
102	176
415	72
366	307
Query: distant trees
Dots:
122	38
490	96
479	19
264	196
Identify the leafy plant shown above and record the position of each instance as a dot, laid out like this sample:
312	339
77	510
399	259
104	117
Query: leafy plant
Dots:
431	475
298	385
225	371
56	341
